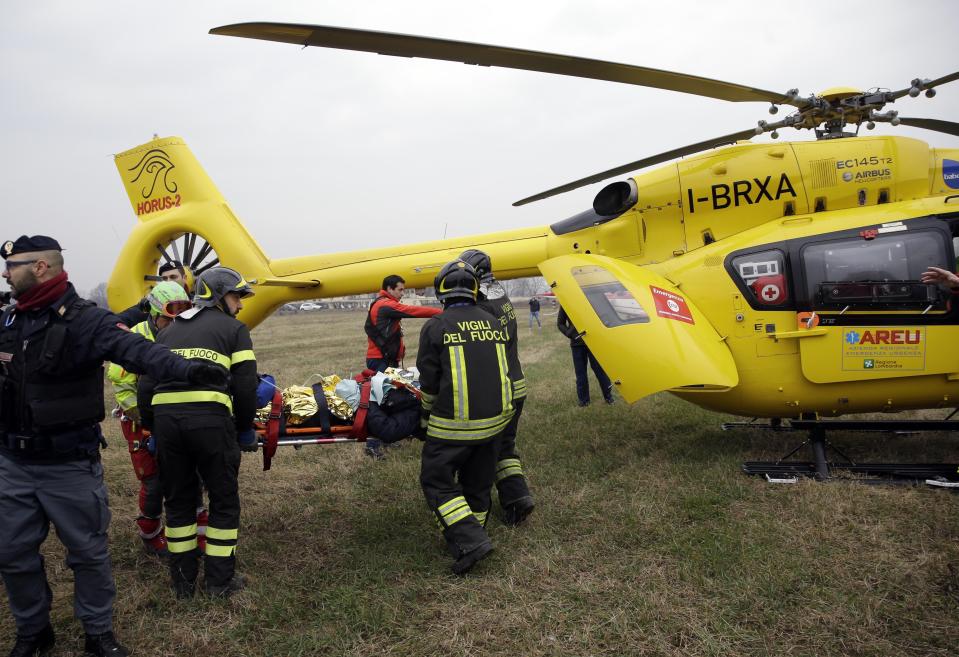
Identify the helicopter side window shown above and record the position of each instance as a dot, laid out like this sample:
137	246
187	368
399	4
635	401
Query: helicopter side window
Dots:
612	303
764	275
878	272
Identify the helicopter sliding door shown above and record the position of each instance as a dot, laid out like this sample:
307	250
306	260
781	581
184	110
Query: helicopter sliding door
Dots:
647	335
880	321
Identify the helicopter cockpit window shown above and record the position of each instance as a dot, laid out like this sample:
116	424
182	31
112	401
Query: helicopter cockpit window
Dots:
881	272
613	303
764	275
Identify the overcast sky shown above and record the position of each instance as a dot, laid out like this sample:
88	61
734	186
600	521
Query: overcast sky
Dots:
323	150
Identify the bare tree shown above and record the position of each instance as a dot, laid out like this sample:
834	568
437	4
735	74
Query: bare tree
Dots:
525	287
98	295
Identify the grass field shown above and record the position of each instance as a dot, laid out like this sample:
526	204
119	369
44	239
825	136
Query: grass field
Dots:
646	540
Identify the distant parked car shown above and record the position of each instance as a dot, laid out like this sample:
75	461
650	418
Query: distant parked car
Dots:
309	305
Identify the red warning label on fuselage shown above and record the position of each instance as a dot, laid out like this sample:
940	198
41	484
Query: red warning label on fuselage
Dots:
671	306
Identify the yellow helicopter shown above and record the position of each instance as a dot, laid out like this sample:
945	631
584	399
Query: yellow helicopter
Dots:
773	280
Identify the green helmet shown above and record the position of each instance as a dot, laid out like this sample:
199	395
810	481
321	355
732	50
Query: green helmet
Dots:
168	299
214	284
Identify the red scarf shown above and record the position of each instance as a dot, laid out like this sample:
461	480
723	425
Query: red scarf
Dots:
43	294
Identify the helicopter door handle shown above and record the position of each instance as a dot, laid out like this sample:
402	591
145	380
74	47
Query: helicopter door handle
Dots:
804	333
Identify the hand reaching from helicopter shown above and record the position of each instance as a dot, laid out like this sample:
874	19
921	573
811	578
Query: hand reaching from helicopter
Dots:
935	275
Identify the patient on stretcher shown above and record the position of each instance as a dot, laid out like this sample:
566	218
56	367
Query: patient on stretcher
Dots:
385	405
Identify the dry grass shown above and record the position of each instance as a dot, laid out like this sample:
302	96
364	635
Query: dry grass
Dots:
647	541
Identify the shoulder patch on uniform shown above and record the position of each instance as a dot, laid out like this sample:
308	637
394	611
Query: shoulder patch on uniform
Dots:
123	326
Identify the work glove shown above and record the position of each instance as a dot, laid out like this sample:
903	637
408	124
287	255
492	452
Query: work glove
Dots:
133	414
420	431
204	373
247	440
152	445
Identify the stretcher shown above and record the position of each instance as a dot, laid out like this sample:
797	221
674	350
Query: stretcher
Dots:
274	432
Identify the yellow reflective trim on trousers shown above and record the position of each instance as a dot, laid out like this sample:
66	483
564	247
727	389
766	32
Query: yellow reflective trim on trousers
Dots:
178	547
214	550
456	516
447	423
506	385
188	396
222	534
242	356
481	516
452	505
461	393
508	468
205	354
181	532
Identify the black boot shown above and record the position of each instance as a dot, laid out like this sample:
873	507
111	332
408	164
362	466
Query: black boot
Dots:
234	585
184	568
518	511
103	645
34	644
466	562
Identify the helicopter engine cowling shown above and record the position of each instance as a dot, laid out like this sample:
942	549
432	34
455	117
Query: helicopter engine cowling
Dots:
616	198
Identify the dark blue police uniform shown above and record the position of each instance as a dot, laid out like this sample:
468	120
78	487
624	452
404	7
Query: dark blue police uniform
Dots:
51	403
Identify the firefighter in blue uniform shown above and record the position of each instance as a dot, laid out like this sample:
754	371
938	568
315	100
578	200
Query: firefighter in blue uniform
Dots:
466	403
511	485
52	348
202	428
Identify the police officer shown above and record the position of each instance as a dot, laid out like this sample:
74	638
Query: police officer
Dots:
52	348
466	403
511	484
202	429
166	300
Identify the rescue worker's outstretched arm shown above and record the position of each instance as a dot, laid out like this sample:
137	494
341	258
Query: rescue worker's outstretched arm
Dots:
396	310
243	380
133	353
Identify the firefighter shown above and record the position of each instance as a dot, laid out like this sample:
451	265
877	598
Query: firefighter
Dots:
172	270
514	496
202	429
52	348
166	300
466	403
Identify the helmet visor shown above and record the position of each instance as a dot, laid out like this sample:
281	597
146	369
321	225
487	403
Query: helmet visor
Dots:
174	308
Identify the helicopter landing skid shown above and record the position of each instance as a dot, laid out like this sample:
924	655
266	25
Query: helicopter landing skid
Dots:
820	467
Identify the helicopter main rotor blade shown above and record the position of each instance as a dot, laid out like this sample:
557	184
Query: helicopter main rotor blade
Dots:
948	127
405	45
943	80
639	164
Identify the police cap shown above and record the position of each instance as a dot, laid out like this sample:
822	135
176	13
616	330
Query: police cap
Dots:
169	266
26	244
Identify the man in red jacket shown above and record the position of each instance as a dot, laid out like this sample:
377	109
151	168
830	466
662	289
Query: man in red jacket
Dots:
385	346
